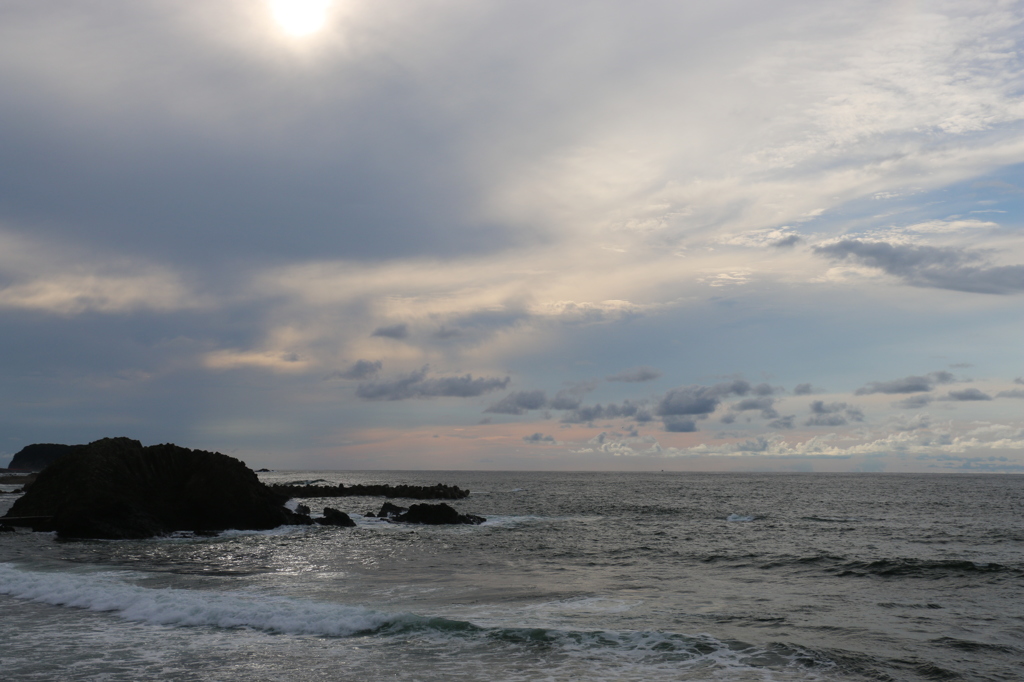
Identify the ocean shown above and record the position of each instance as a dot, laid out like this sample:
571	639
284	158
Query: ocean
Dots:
590	576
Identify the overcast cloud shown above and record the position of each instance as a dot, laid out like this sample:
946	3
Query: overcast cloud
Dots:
601	217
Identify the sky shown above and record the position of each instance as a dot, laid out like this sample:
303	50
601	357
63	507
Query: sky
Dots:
517	235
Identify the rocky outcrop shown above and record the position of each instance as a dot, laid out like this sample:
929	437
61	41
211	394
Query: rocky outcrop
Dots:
115	488
390	511
430	514
38	456
333	517
412	492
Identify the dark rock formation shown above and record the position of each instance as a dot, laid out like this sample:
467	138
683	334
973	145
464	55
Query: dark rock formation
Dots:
115	488
38	456
412	492
11	479
333	517
436	514
388	510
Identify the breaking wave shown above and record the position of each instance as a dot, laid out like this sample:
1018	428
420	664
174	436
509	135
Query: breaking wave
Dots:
108	592
658	652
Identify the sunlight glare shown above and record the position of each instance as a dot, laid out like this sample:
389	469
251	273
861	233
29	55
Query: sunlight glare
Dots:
300	17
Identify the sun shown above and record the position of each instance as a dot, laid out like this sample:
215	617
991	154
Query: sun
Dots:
300	17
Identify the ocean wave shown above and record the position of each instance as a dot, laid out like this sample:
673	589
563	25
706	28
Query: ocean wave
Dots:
970	645
845	567
924	568
113	592
109	592
892	567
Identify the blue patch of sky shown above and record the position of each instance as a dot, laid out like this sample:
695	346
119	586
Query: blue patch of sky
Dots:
994	197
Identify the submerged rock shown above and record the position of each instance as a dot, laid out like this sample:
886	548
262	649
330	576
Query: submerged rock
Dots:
115	488
333	517
431	514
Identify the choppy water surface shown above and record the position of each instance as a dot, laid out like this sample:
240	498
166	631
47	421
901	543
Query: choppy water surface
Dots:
590	576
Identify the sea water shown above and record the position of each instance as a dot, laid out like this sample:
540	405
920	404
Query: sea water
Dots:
594	576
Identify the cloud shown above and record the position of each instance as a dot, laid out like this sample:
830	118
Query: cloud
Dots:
565	400
498	226
832	414
276	361
360	369
695	401
394	331
1014	393
923	440
787	241
624	444
804	389
679	424
519	402
538	439
765	404
967	394
636	375
571	397
903	423
855	413
930	266
825	420
911	384
698	400
67	280
783	422
418	385
589	413
914	402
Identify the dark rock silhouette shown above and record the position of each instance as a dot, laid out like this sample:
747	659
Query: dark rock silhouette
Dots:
38	456
436	514
333	517
388	510
412	492
115	488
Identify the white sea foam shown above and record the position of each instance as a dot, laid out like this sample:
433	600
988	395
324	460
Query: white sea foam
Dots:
110	592
740	517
